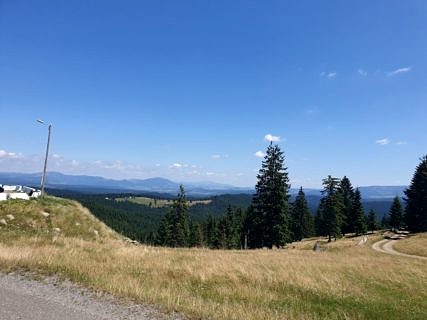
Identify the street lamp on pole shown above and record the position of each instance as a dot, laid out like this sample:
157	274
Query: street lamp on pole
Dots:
47	154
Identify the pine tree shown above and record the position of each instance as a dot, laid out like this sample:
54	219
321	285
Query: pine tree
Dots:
396	214
181	227
359	214
347	193
211	233
254	228
174	229
302	221
271	201
372	221
416	199
196	235
165	233
331	208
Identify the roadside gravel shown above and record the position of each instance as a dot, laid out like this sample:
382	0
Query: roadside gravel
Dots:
51	299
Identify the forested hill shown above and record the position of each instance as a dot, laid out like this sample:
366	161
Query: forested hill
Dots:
139	221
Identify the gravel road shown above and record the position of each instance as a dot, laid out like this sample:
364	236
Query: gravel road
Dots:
50	299
386	246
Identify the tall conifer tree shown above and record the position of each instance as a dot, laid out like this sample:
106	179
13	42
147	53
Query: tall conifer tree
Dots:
302	222
372	221
348	217
359	222
396	214
331	206
416	199
271	201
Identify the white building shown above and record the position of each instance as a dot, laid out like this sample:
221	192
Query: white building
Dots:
18	192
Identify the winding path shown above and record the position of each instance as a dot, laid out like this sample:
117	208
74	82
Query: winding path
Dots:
386	246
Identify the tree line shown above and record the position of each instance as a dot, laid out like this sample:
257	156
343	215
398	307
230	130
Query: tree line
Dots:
272	220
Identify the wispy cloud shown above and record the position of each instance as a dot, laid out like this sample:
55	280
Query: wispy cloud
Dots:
382	142
219	156
401	143
9	155
259	154
329	75
270	138
362	72
176	165
399	71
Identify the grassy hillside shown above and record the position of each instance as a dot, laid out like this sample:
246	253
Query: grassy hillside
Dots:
347	281
49	219
416	244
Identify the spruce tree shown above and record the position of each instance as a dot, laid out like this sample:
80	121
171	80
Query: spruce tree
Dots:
302	221
331	208
174	229
372	221
196	235
181	227
211	233
165	231
271	200
416	199
348	217
358	213
396	214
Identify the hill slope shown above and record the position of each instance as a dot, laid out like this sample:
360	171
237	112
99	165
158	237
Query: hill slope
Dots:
49	219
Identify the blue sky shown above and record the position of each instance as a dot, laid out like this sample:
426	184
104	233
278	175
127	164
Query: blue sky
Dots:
188	90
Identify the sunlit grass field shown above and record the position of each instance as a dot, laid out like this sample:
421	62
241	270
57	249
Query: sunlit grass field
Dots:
416	245
347	281
159	203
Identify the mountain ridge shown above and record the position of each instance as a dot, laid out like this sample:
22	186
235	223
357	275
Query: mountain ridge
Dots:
86	183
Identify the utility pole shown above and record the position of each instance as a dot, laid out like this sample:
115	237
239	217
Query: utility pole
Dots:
46	157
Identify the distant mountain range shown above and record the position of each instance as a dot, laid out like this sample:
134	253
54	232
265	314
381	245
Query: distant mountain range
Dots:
94	184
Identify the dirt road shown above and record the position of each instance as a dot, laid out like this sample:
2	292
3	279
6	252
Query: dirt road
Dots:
49	299
386	246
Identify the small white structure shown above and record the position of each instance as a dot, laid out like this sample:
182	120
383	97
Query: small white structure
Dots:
18	192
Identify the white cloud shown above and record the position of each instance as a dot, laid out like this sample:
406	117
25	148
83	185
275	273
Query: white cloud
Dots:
399	70
382	142
10	155
259	154
210	174
331	75
216	156
400	143
176	165
271	138
362	72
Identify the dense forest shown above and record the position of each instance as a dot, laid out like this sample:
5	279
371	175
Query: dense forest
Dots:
270	217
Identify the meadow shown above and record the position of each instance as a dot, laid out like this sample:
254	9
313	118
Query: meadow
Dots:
347	281
159	203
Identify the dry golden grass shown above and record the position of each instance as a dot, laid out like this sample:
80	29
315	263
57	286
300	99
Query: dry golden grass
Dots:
345	282
416	245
